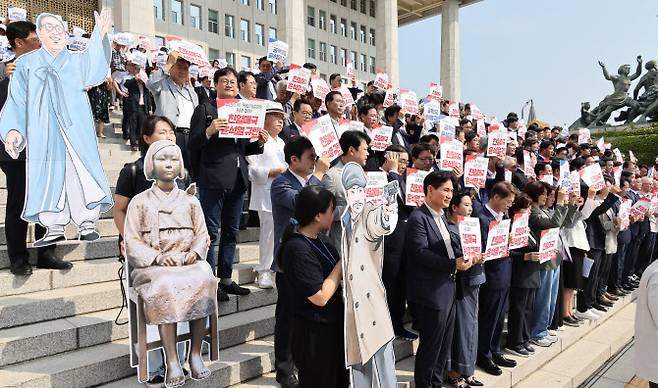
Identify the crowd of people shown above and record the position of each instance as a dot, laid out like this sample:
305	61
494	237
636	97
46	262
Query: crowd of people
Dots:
457	306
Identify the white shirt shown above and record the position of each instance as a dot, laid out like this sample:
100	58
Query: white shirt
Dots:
498	216
443	229
185	107
299	178
259	170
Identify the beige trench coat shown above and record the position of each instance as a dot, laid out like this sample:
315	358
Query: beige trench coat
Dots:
368	324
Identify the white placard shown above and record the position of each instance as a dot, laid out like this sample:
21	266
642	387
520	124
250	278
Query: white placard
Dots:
322	135
475	171
470	236
245	117
548	244
375	182
277	51
415	194
497	143
381	138
497	240
298	78
520	230
452	155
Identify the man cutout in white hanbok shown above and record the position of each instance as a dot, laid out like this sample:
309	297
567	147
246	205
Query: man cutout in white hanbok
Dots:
48	111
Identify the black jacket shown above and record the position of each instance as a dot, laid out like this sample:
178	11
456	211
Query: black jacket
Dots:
595	232
131	103
4	92
203	96
218	157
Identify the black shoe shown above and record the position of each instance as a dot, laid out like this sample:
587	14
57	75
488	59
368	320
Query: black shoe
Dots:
569	321
288	381
489	366
221	295
597	306
406	335
472	381
234	289
605	304
575	318
90	236
618	293
24	269
52	262
501	360
519	350
529	348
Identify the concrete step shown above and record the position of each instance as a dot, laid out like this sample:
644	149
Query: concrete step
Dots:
88	272
107	245
112	176
253	319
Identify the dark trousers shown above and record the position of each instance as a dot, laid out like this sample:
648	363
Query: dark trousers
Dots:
223	208
620	260
283	328
631	257
435	330
135	121
16	233
393	276
604	274
559	303
521	302
319	354
645	254
182	141
491	316
587	297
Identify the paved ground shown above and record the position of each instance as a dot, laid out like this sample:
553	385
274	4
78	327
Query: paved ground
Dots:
618	372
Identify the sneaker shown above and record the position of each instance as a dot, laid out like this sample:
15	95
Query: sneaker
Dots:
588	315
406	335
520	351
234	289
552	338
552	333
543	342
264	280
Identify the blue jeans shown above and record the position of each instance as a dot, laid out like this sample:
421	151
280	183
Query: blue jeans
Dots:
222	208
545	299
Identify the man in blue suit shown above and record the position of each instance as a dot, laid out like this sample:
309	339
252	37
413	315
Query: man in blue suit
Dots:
304	168
494	292
432	265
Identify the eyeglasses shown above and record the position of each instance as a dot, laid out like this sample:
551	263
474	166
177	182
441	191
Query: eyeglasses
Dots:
53	28
226	82
306	113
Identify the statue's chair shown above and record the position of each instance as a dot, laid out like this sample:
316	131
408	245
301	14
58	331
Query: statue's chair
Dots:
144	338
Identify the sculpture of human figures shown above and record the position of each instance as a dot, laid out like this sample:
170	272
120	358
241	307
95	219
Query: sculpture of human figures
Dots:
48	111
166	245
368	328
619	98
649	99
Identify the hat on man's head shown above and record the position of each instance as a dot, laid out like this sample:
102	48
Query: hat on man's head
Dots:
353	175
274	107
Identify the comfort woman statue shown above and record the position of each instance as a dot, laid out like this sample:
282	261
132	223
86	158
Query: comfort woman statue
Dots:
166	246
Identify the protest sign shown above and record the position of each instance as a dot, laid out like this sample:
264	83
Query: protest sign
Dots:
350	125
521	130
593	176
391	96
447	130
641	207
123	38
574	179
508	176
618	155
548	244
350	69
497	240
245	117
631	156
414	188
348	100
481	127
320	88
78	43
546	179
322	135
475	171
408	102
476	112
600	144
563	180
624	213
453	109
520	230
16	14
298	78
529	162
138	58
375	182
77	31
584	136
161	58
616	172
432	112
381	80
277	51
470	236
189	51
452	155
381	138
436	92
497	143
565	131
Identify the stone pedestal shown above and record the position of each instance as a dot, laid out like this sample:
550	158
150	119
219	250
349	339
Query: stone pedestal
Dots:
386	39
450	67
292	22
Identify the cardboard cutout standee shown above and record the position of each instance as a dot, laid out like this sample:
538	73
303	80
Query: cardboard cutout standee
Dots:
47	111
368	328
169	279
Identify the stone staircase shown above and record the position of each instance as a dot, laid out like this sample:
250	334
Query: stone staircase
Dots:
57	328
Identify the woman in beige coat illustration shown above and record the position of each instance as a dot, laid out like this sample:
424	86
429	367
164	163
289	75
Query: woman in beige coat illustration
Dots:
166	245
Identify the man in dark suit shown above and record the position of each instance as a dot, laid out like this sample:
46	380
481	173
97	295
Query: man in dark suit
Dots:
392	118
302	113
205	91
304	168
493	300
22	39
431	279
136	106
629	279
222	179
267	79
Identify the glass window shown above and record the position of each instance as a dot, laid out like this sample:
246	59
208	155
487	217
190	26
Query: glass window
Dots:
332	54
362	63
245	62
244	30
260	4
229	26
353	30
159	41
343	57
323	51
230	59
353	58
158	9
213	54
373	7
177	11
311	48
362	7
213	21
322	20
372	37
260	37
362	34
272	6
310	17
332	24
343	27
371	65
353	4
343	3
244	2
272	34
195	16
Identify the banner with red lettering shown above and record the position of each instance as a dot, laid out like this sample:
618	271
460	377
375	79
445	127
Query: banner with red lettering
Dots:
476	112
322	135
320	88
436	92
452	155
475	171
391	96
497	240
298	78
481	127
189	51
624	213
470	236
348	99
408	102
520	230
593	176
453	110
574	179
529	161
641	207
245	117
350	70
548	244
497	143
381	80
584	136
415	195
381	138
375	182
447	129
